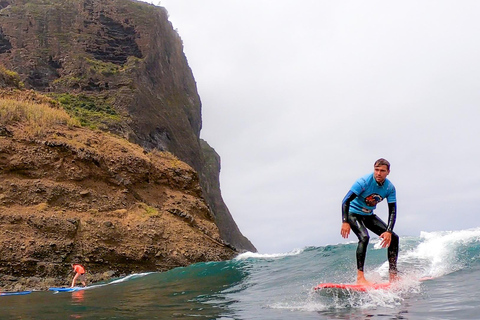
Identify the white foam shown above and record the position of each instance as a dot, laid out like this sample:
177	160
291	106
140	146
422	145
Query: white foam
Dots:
321	301
435	255
131	276
310	306
247	255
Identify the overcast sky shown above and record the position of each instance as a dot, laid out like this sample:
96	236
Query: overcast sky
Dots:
301	97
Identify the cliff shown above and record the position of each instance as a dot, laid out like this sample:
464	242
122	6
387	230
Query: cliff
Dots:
69	193
117	66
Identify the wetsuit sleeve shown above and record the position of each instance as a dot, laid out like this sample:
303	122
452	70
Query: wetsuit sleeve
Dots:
392	215
346	205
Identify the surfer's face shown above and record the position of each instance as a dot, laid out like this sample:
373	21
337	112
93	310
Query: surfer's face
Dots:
380	173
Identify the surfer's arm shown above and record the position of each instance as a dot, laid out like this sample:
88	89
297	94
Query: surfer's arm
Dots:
392	216
345	231
346	205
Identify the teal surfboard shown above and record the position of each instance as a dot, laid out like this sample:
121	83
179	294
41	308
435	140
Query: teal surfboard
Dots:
17	293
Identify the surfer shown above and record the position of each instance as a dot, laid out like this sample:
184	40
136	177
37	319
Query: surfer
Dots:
79	275
358	216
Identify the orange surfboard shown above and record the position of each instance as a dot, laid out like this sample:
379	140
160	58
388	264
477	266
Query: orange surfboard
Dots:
352	286
360	287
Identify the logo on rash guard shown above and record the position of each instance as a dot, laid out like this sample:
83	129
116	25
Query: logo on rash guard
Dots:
373	199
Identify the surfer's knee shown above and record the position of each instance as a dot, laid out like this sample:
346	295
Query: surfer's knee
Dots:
364	239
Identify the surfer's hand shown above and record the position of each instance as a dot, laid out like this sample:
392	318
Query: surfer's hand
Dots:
386	239
345	231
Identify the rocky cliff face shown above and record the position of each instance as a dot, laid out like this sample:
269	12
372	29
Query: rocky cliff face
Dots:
119	66
69	193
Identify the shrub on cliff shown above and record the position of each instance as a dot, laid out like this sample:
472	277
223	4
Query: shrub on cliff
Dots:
91	111
9	78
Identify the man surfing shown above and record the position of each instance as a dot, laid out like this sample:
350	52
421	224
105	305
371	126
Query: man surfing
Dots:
358	216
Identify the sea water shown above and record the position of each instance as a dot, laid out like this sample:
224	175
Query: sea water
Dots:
280	286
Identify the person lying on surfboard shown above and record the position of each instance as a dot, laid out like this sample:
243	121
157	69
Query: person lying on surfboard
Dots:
358	216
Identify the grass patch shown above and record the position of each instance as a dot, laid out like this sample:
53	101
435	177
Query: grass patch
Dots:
68	81
42	206
148	210
104	68
167	157
38	118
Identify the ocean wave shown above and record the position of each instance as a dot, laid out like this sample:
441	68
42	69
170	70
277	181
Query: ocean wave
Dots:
256	255
435	254
130	277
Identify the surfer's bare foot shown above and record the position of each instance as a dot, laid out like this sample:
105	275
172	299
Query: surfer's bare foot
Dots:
361	279
364	282
394	277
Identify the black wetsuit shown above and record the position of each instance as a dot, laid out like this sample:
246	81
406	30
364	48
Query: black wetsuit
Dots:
360	223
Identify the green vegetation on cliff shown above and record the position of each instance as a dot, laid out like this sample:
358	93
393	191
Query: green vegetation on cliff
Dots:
9	78
90	111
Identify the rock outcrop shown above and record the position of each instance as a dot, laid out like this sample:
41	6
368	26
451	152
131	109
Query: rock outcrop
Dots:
73	194
119	66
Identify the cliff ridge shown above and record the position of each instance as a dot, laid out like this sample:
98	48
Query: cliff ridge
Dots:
117	66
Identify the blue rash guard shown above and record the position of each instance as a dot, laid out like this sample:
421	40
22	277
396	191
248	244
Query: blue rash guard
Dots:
369	194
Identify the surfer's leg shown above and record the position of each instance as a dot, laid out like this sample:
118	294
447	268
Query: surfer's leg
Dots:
74	279
81	278
361	232
377	226
393	256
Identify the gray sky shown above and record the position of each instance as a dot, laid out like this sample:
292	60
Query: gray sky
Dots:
301	97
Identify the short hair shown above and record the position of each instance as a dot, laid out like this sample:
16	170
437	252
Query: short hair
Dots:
382	162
